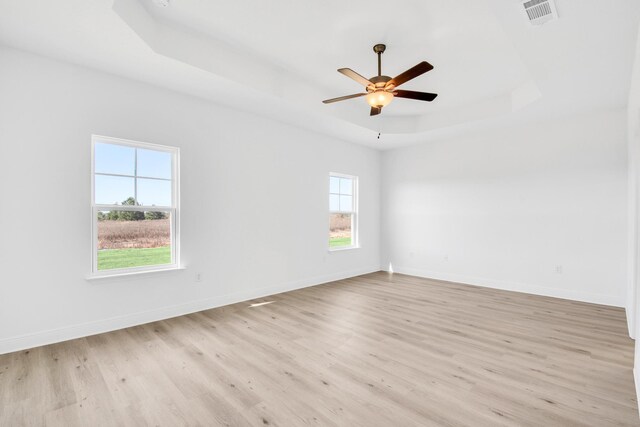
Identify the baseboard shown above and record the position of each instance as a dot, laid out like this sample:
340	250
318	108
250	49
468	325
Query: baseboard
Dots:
52	336
515	286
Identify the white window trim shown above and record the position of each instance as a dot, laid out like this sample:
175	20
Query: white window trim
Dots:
174	210
355	235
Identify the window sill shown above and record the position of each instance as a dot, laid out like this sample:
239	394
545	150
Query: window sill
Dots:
340	249
133	274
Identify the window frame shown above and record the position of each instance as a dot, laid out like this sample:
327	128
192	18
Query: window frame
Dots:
355	235
173	210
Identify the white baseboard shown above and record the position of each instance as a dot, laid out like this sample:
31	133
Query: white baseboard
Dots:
8	345
515	286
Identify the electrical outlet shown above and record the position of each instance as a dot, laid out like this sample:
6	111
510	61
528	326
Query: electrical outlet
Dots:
446	257
198	277
559	269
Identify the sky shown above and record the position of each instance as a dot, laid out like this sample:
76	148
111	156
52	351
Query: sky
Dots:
340	194
153	175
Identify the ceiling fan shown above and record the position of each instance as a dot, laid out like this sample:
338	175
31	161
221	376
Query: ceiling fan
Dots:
380	90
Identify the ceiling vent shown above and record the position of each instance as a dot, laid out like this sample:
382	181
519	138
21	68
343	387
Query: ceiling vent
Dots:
540	11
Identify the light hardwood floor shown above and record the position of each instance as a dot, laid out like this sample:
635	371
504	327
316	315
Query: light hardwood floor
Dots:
375	350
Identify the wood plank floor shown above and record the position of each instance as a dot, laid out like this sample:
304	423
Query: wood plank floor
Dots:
375	350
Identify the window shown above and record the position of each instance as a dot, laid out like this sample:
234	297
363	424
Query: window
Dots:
343	208
134	206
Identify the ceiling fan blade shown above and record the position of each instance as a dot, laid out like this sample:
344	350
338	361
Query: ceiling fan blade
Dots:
355	76
342	98
420	96
375	111
411	73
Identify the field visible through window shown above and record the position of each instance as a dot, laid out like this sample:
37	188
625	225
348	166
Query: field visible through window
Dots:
133	239
339	241
109	259
340	230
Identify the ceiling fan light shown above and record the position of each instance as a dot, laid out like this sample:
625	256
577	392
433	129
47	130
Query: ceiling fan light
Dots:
379	98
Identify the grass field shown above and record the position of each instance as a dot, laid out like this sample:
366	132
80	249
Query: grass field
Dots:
339	230
123	244
109	259
339	241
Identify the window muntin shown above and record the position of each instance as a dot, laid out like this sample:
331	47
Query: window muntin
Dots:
135	206
342	211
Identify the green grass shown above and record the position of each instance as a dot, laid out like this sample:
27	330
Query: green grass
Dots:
109	259
339	241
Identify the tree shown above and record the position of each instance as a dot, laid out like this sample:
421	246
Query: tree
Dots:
154	215
129	202
129	215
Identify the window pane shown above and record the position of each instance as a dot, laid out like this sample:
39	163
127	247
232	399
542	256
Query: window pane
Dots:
346	186
133	239
114	159
346	203
334	202
154	164
340	230
113	189
154	192
334	184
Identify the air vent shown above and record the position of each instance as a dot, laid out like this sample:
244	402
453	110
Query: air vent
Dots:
540	11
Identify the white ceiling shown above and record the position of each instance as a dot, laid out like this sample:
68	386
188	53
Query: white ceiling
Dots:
490	67
311	41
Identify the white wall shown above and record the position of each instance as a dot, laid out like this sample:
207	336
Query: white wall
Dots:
254	202
503	209
633	133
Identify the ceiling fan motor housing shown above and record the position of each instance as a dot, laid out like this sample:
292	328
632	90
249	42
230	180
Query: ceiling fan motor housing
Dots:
379	82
